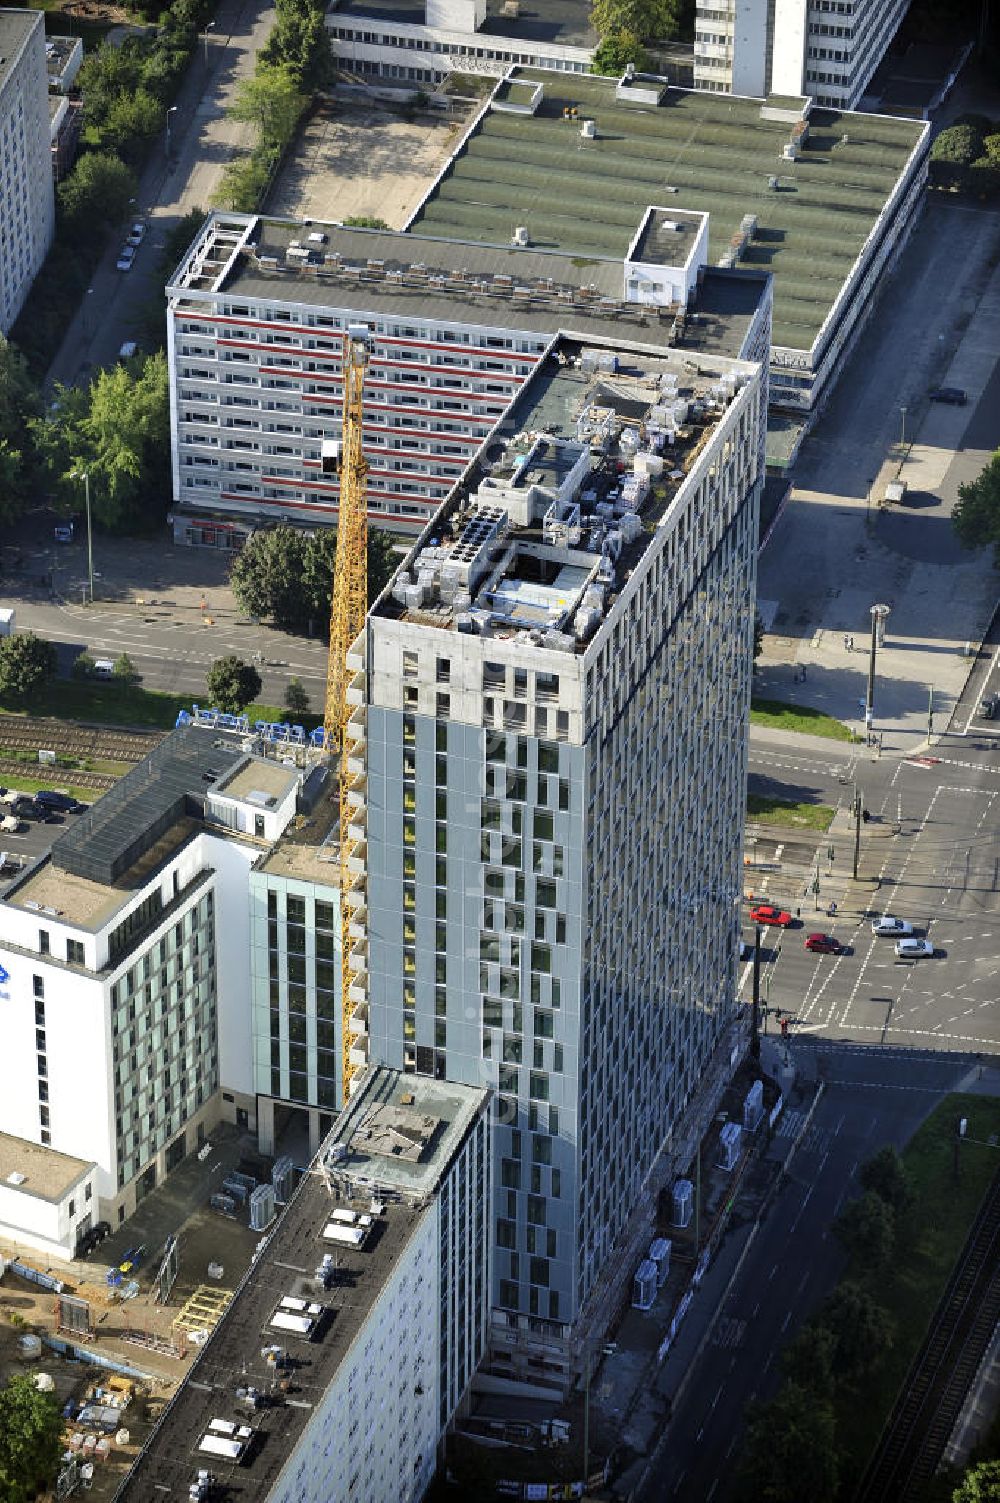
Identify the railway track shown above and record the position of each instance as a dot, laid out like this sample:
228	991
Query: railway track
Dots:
917	1431
111	745
58	777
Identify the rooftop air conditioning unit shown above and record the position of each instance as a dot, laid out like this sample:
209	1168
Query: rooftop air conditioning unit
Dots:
588	130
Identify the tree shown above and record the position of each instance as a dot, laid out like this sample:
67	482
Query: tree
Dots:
615	51
98	192
26	662
790	1449
125	669
365	222
18	402
118	430
981	1484
300	40
296	698
271	101
648	20
976	514
867	1229
30	1439
808	1360
132	121
287	576
860	1328
954	152
232	684
885	1175
83	666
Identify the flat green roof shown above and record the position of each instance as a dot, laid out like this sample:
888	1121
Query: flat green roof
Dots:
587	196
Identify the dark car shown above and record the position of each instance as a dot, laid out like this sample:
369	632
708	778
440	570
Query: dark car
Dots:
63	803
953	395
990	706
824	944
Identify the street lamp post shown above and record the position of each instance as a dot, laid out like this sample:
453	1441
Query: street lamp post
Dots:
878	615
902	427
209	26
171	111
85	477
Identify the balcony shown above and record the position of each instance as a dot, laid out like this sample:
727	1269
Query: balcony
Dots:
357	793
356	767
357	722
356	690
357	831
357	993
358	1057
357	1023
357	861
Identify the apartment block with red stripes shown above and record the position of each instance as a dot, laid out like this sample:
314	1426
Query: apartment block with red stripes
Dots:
256	314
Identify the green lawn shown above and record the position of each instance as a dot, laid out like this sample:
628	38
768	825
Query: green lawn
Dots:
779	811
785	717
111	703
930	1237
57	779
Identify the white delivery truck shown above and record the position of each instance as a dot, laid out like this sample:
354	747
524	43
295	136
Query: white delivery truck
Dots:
6	621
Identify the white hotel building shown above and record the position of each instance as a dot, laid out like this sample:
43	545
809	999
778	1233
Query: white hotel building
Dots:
256	314
27	196
827	49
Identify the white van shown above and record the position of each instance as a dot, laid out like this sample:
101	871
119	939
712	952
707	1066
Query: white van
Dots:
104	668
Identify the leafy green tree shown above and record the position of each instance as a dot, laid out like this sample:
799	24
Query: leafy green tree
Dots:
245	181
296	698
83	666
860	1328
105	74
615	51
808	1359
18	402
30	1440
232	684
267	575
26	662
125	669
131	122
98	192
790	1451
867	1229
300	39
365	222
976	514
118	430
648	20
959	143
271	101
885	1174
981	1484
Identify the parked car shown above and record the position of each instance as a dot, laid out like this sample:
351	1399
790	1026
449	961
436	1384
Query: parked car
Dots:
63	533
128	349
889	925
9	824
125	258
824	944
953	395
766	913
913	949
136	233
64	803
989	706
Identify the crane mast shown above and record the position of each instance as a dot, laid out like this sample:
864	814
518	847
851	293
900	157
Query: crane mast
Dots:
347	619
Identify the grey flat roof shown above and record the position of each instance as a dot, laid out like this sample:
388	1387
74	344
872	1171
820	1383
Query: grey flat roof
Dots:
587	197
15	28
546	311
232	1357
48	1174
668	237
565	22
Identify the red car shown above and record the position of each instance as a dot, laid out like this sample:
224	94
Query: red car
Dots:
764	913
824	944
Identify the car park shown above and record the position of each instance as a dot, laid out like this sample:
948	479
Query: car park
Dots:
953	395
64	803
125	258
889	925
913	949
824	944
767	913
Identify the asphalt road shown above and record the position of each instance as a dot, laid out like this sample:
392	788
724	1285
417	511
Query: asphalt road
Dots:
871	1098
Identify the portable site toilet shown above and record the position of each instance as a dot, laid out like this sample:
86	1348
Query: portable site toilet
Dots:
262	1208
729	1145
683	1202
644	1285
753	1106
659	1253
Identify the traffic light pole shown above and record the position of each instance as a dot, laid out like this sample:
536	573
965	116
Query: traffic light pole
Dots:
857	829
755	1034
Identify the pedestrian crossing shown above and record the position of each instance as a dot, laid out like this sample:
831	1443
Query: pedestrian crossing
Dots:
789	1124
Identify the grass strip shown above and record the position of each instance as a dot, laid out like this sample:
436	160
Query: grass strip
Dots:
779	811
930	1235
111	703
780	716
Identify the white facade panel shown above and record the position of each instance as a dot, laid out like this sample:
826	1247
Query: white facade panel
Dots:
27	195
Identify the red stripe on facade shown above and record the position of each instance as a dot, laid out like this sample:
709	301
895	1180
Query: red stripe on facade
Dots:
313	332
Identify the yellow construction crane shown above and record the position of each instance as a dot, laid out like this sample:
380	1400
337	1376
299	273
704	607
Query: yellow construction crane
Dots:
347	618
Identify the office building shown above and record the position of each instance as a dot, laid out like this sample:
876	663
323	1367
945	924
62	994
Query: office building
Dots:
827	49
350	1343
551	794
27	196
256	316
126	958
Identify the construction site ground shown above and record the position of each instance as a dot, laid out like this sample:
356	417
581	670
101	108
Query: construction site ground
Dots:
356	158
140	1331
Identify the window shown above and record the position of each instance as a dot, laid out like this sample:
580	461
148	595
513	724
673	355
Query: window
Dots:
74	951
38	985
43	941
